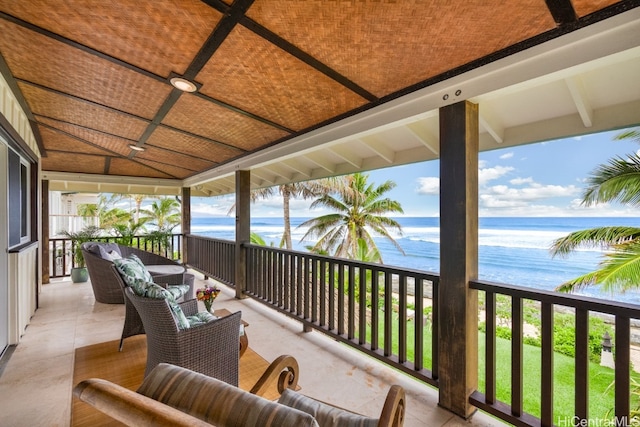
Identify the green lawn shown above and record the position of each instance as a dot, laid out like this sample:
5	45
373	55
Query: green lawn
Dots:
600	378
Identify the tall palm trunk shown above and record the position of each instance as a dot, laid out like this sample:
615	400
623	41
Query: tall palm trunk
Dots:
286	196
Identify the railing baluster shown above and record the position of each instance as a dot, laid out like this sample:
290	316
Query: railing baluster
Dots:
435	333
332	295
516	357
314	290
362	292
490	347
351	303
324	280
582	366
375	300
402	319
622	361
340	306
546	389
388	313
299	269
418	319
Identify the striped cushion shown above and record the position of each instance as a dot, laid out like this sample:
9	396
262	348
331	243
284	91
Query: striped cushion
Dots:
326	415
217	402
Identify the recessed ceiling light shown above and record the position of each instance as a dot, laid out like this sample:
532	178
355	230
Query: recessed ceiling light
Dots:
183	84
135	147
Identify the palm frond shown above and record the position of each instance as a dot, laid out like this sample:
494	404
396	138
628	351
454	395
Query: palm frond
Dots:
617	273
601	237
617	180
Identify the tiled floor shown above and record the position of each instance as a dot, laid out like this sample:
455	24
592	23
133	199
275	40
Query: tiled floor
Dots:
36	382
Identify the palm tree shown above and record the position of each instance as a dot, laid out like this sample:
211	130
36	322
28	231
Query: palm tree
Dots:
164	213
359	207
305	190
615	181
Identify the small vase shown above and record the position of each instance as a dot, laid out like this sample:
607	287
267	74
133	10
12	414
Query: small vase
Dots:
209	306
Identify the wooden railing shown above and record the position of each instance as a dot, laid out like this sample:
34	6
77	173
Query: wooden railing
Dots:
583	307
214	258
337	296
61	260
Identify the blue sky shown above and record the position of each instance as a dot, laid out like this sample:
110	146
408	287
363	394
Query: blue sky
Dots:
544	179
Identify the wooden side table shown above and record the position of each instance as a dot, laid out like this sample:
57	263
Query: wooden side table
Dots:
244	339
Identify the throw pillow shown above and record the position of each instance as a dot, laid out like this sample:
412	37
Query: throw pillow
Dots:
113	255
326	415
200	318
131	269
151	290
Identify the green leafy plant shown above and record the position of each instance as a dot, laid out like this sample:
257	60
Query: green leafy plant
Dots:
87	234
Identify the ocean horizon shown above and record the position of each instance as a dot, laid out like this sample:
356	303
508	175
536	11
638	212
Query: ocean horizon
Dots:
512	250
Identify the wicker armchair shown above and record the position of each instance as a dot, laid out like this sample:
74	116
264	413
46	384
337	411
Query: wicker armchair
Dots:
108	286
212	349
105	281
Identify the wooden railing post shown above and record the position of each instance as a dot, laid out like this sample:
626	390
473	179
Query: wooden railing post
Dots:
186	222
458	304
243	229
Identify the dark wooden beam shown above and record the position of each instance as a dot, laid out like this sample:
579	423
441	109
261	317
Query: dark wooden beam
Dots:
186	222
458	303
562	11
243	229
307	59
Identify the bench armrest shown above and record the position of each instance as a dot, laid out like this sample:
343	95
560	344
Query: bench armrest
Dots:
129	407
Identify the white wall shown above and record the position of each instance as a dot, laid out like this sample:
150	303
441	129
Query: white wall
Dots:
18	272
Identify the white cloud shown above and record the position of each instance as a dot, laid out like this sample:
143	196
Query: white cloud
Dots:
429	185
507	155
521	181
489	174
535	191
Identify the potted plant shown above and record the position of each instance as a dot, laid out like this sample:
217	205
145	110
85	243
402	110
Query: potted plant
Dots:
79	269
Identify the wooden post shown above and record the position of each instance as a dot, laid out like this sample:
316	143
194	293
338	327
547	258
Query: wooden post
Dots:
458	322
46	274
243	229
186	222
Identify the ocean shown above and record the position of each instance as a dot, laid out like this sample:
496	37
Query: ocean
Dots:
512	250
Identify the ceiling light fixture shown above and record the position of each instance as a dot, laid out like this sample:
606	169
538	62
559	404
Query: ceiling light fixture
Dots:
183	84
135	147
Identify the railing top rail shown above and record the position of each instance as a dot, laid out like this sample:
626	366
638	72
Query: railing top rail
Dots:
348	262
576	301
213	239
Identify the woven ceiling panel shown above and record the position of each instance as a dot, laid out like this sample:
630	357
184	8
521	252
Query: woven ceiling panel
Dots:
194	146
211	121
56	141
585	7
176	172
126	167
256	76
76	163
84	75
387	46
59	107
113	144
158	36
173	157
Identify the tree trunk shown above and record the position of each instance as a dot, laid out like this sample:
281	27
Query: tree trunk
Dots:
286	195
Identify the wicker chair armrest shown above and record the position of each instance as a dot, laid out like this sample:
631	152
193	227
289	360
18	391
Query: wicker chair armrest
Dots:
284	369
207	331
190	307
129	407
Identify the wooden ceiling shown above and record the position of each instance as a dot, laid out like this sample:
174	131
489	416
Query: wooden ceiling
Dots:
94	76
